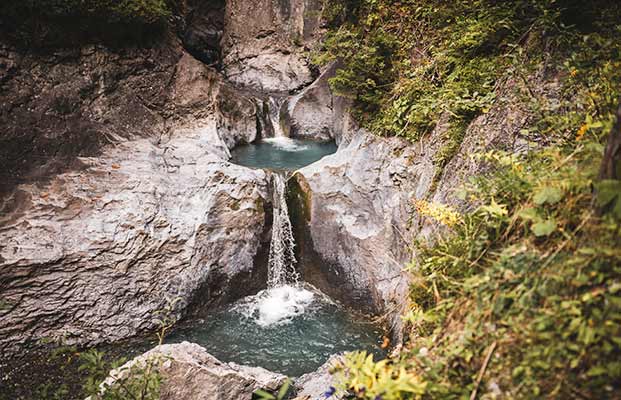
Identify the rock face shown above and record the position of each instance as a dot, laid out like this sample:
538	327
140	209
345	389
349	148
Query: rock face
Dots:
314	385
92	254
189	372
264	42
355	206
317	114
55	107
116	195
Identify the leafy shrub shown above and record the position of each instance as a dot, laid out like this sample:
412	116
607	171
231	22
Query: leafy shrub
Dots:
140	381
140	11
50	23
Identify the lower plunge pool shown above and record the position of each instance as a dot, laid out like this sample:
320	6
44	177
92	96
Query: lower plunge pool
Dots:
291	329
281	153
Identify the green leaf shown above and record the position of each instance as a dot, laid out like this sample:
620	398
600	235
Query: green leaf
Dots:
264	395
596	371
548	194
544	228
607	190
529	214
495	209
283	390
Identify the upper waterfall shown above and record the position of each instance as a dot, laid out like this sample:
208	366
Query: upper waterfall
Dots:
275	106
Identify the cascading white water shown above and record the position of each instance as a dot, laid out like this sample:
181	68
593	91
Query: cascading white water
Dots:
284	298
275	105
281	263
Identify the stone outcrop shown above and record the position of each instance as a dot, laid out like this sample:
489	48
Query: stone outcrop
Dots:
58	106
354	207
116	195
92	254
264	43
189	372
317	114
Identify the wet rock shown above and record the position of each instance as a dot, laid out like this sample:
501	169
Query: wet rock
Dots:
264	43
188	372
92	254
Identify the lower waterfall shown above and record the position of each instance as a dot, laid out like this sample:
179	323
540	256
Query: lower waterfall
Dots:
281	263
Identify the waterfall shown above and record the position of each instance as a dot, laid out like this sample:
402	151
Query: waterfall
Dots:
275	109
281	263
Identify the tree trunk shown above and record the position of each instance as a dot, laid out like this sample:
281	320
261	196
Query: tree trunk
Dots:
611	164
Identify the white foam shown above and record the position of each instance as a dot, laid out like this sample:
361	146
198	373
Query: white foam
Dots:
285	143
278	305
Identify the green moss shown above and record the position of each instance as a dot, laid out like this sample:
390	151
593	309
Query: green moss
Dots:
258	204
451	143
300	196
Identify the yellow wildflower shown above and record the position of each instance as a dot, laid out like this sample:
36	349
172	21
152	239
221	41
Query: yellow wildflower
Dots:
573	73
438	212
581	132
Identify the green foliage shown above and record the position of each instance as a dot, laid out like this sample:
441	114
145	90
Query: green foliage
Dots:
139	381
336	12
368	74
405	64
141	11
282	392
532	272
166	318
362	377
409	64
609	195
54	23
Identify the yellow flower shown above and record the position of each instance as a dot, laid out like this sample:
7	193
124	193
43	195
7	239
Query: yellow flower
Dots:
581	132
439	212
573	73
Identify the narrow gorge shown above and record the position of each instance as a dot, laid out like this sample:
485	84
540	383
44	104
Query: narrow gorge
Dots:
309	199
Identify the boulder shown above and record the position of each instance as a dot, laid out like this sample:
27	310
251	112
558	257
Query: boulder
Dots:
188	372
317	114
92	254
